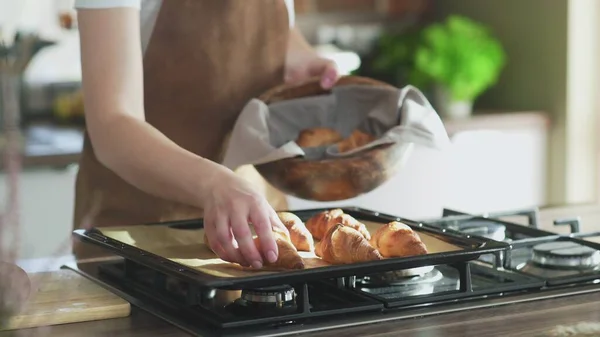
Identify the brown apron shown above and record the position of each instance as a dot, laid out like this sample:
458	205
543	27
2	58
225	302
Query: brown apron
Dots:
205	60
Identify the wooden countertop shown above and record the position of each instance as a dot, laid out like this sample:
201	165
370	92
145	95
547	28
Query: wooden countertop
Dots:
536	318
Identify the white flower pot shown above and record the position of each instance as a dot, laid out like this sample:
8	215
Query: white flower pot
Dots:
449	108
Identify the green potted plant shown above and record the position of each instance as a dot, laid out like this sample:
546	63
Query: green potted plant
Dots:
394	59
456	60
462	59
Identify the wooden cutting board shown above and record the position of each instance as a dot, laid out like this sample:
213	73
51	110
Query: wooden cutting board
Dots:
64	296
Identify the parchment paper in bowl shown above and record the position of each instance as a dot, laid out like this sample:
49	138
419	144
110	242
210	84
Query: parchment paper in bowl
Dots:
187	247
265	133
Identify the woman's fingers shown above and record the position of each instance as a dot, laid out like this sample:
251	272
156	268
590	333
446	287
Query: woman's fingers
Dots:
329	76
326	69
276	223
259	216
233	207
224	238
216	247
243	236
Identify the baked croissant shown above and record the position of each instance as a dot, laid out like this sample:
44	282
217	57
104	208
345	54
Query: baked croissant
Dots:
321	222
344	245
300	236
317	137
318	224
396	239
354	141
287	257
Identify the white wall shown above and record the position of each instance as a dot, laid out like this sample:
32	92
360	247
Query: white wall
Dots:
583	86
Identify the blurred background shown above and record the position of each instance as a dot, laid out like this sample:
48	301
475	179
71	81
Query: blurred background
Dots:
515	82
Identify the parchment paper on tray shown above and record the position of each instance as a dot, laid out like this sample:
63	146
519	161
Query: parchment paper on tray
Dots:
265	133
186	247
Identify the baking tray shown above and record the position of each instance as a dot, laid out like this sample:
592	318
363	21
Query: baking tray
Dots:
178	249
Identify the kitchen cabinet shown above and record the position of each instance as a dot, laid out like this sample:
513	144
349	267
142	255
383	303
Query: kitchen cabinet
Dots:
46	207
496	162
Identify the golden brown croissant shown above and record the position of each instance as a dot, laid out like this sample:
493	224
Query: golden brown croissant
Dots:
321	222
345	245
318	224
300	236
348	220
316	137
355	140
287	258
396	239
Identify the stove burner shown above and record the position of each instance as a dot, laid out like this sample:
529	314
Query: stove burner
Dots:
565	255
266	301
485	228
399	278
277	295
400	283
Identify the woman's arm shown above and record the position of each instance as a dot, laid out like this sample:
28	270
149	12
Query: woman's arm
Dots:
123	141
140	154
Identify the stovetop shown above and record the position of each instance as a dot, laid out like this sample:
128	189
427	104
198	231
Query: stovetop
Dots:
538	264
556	259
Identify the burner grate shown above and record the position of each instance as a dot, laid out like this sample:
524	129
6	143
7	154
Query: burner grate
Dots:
555	269
566	255
459	281
525	258
316	299
490	227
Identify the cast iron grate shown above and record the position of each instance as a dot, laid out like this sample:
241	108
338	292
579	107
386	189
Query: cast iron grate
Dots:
461	281
523	239
329	297
314	299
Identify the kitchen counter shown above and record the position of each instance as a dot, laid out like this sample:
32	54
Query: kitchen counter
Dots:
48	145
539	318
529	318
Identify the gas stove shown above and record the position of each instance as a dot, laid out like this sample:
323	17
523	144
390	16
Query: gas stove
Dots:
531	264
556	259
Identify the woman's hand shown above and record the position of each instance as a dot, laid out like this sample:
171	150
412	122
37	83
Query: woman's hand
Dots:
303	63
230	204
302	70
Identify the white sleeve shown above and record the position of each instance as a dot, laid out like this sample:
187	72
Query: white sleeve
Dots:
291	12
107	3
138	3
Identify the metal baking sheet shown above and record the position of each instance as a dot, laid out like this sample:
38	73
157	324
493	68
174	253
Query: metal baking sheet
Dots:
186	247
179	248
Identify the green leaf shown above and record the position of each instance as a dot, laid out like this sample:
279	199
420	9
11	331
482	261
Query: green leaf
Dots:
461	55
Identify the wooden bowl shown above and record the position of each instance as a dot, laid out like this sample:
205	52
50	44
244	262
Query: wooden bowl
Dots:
331	179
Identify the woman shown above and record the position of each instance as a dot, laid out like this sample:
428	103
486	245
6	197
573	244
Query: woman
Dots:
160	101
